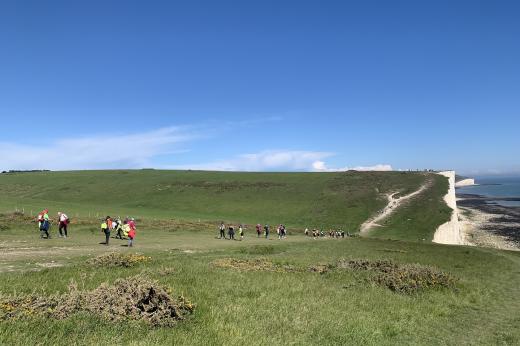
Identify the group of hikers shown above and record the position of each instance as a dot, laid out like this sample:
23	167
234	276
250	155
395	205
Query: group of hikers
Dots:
281	231
315	233
125	229
44	224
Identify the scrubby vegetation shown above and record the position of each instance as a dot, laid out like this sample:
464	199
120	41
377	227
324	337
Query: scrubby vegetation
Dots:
117	259
256	264
135	298
402	278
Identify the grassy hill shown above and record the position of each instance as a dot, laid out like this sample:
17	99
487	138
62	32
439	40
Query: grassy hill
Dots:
304	307
299	200
291	291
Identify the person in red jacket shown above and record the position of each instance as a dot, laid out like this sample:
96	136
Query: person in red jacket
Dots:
131	233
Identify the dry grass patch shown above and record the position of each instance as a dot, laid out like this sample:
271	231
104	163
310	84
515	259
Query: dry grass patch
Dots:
117	259
320	268
257	264
135	298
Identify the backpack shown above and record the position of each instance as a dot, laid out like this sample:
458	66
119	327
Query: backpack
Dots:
44	225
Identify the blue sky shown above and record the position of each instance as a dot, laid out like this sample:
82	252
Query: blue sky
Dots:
267	85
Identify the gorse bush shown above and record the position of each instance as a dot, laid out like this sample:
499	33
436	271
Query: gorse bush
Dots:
407	278
134	298
364	264
412	278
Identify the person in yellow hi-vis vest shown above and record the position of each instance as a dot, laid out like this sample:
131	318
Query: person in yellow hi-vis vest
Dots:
105	229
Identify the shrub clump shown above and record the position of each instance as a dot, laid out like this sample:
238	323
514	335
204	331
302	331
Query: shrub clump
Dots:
134	298
117	259
320	268
411	278
364	264
407	278
257	264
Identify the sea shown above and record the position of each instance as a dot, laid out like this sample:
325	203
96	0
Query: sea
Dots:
499	187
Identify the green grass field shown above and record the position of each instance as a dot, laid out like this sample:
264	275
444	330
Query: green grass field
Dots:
254	307
299	200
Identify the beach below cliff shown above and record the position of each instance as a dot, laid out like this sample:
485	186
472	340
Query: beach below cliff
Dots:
487	223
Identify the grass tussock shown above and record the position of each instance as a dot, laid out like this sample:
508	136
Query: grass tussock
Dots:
260	250
135	298
402	278
161	271
257	264
320	268
116	259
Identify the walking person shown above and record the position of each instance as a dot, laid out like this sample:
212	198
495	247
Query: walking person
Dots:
110	223
222	229
105	229
281	232
131	223
258	230
131	232
241	232
231	232
40	218
125	229
118	227
44	224
131	237
63	220
266	231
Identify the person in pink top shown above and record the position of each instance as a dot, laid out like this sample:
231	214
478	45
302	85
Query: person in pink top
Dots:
63	220
131	223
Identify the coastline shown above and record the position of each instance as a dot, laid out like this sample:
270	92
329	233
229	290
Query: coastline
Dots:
489	224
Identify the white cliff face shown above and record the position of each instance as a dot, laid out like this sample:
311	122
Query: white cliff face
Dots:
465	182
450	232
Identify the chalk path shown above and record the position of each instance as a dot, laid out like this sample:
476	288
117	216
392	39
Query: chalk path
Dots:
393	205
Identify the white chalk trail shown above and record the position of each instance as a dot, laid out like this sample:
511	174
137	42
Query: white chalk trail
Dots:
393	204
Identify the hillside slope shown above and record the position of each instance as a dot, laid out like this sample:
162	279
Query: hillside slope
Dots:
299	200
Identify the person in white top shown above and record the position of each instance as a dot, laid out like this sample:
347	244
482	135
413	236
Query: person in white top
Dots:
63	223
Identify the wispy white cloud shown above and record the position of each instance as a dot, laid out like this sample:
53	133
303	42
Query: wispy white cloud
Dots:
321	166
269	160
109	150
142	149
280	160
